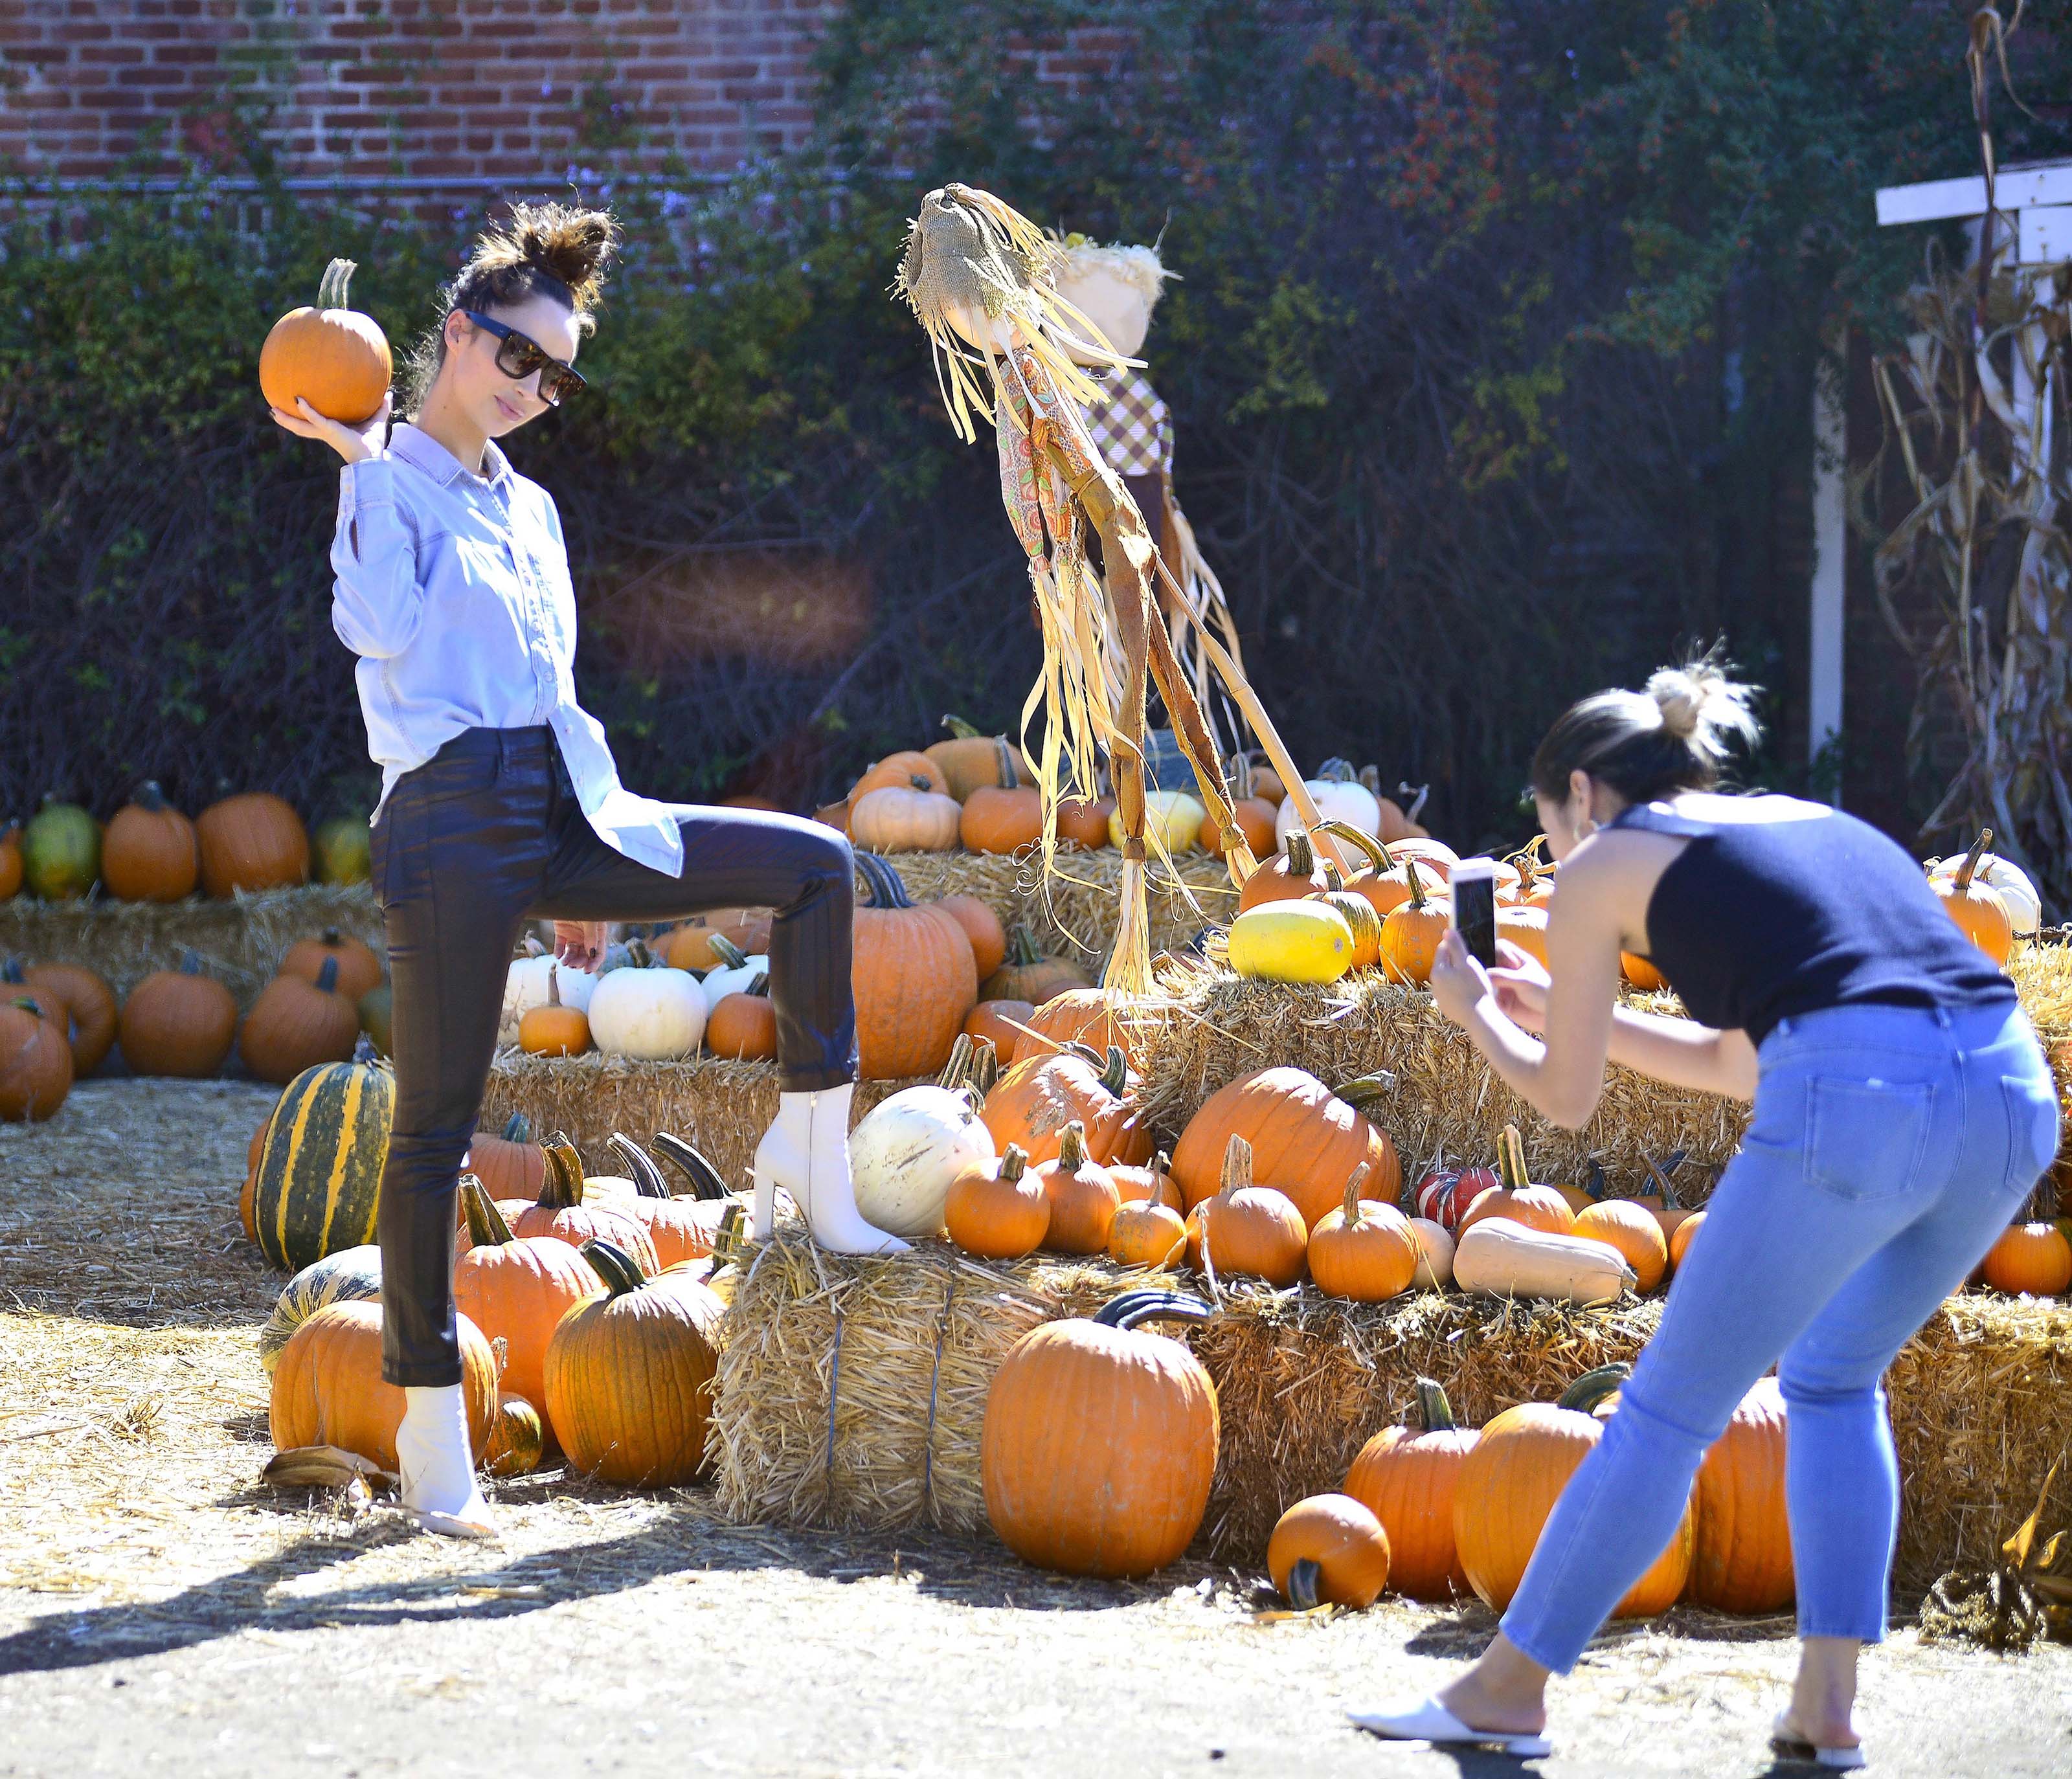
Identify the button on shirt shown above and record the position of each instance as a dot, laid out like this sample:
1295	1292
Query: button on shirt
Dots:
452	589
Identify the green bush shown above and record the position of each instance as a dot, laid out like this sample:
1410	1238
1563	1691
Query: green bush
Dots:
1490	355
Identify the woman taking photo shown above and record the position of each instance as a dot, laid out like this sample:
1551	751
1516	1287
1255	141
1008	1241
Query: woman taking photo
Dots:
500	801
1902	1111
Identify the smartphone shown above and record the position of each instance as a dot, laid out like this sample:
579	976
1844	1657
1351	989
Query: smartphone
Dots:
1474	908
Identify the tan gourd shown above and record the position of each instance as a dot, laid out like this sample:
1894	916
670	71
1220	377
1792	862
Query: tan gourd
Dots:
1498	1258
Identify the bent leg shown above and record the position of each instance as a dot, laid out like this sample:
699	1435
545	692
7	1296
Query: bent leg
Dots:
740	858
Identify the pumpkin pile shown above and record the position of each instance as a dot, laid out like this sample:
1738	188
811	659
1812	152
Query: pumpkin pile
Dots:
586	1325
150	851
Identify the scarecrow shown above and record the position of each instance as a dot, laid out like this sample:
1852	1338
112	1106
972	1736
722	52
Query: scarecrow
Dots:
983	281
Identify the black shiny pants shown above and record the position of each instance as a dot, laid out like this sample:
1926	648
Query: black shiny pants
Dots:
486	835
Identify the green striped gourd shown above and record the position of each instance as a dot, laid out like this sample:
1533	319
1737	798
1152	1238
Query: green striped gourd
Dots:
351	1274
320	1166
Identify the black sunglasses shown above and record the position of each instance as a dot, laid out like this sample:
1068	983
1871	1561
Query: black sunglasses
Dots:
518	357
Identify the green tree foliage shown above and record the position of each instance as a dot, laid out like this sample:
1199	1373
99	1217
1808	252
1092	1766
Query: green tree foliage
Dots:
1490	353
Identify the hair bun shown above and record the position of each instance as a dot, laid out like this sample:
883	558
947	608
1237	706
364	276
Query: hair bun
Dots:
570	246
1704	707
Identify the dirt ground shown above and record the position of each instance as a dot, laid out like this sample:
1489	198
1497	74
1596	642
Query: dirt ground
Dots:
160	1613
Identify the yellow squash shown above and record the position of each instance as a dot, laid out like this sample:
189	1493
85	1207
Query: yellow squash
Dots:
1291	942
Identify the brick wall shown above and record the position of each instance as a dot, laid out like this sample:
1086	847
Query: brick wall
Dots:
429	90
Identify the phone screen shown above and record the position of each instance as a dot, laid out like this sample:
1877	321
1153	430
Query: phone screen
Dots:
1474	910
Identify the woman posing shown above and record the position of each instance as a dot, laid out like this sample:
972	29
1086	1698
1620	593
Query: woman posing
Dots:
1902	1110
500	801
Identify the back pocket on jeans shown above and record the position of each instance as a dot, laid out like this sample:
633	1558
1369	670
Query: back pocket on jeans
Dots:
2033	1129
1865	1140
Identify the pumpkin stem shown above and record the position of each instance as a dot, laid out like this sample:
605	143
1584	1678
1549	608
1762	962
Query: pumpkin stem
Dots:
1237	1171
562	1190
1416	884
1238	773
1333	884
1660	1171
1010	778
190	963
705	1182
1335	770
363	1050
327	976
29	1005
1114	1073
1971	858
1133	1307
331	288
963	731
1161	1176
1363	1091
1587	1390
758	985
958	1069
1433	1409
646	1178
1014	1163
553	985
1353	1194
1072	1147
1511	1160
639	955
1379	856
12	971
1303	1576
887	888
1021	947
486	1226
984	1072
730	956
1301	855
619	1271
519	1129
150	797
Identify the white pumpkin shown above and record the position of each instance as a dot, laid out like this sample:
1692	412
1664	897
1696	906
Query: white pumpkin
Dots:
906	1151
1435	1255
2024	907
1352	803
734	974
1498	1258
1172	815
525	988
653	1014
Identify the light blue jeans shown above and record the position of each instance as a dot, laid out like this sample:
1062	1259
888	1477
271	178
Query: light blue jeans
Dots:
1888	1146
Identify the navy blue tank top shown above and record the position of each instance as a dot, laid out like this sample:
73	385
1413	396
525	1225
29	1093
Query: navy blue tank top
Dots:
1756	921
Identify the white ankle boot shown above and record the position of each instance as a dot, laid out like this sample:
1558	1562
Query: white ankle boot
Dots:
439	1489
806	1152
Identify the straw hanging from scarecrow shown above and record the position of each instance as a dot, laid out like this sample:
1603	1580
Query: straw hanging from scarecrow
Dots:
982	280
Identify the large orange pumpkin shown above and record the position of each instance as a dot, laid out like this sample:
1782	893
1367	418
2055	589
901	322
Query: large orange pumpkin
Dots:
1407	1476
84	1006
149	853
509	1166
1512	1478
1001	821
295	1025
1365	1251
1741	1562
1099	1441
913	978
332	357
516	1289
982	927
177	1022
358	965
328	1389
1031	1104
906	770
1305	1141
1328	1550
2029	1258
1079	1015
251	841
630	1373
971	762
35	1061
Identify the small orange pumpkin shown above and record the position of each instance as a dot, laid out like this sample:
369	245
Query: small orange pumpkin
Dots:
1363	1252
1411	933
982	927
1633	1230
1979	909
996	820
1286	876
359	966
332	357
1329	1549
998	1210
1517	1197
295	1025
2029	1259
1251	1231
553	1029
1083	1198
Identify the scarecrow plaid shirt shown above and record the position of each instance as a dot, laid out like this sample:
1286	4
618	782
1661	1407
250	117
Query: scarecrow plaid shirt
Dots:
1131	425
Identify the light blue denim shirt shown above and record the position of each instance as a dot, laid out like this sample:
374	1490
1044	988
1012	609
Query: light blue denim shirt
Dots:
452	589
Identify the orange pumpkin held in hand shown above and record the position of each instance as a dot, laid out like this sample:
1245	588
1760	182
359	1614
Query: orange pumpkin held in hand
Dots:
334	358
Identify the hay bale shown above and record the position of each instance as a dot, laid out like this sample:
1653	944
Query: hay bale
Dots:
723	1107
1074	912
1210	1026
852	1392
239	942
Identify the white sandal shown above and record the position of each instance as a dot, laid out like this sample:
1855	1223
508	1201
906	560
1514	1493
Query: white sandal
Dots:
1430	1721
1787	1742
